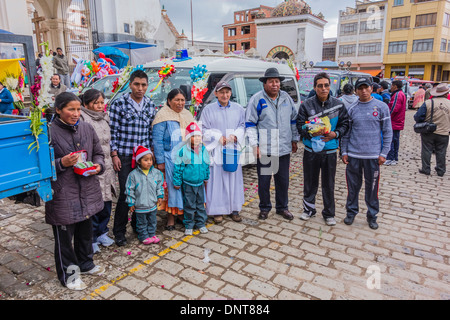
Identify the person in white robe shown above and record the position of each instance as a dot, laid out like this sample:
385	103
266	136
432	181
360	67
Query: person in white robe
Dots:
223	126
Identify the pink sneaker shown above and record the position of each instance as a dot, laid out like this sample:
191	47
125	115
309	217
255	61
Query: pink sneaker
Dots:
148	241
155	239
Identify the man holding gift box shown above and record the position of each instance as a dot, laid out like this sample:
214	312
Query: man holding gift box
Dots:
321	147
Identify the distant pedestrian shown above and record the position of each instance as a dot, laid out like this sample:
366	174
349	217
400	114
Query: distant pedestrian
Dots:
419	98
61	64
6	100
56	86
438	140
375	91
397	107
385	93
364	150
349	97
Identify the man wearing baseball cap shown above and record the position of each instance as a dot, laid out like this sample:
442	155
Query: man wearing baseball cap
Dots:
364	149
223	125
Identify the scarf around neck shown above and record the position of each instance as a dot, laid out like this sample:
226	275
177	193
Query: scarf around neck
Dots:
184	118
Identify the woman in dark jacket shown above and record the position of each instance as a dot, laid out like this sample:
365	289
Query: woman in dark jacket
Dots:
76	198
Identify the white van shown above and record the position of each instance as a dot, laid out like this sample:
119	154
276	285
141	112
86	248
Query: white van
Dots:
241	73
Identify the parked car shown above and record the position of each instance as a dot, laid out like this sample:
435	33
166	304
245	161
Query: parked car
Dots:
104	85
241	73
339	78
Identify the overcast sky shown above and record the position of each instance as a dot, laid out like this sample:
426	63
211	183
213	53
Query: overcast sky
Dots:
211	15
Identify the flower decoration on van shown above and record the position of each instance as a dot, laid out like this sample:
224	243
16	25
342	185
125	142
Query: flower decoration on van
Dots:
41	96
198	72
123	79
166	71
199	87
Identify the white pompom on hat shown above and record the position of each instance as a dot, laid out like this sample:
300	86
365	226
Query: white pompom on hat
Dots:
138	153
193	130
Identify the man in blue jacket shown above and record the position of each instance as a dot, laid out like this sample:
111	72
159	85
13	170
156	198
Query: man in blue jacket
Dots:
6	100
323	158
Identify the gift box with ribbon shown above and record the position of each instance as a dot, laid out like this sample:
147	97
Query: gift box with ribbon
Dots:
83	167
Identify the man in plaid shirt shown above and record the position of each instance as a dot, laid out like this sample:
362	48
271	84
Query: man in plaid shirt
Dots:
131	125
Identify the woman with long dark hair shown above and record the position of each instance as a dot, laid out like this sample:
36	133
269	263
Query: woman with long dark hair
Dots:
93	112
76	198
169	128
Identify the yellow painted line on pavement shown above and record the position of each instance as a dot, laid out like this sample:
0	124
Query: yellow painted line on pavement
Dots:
97	292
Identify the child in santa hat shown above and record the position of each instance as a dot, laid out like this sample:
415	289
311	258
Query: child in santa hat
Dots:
191	173
144	191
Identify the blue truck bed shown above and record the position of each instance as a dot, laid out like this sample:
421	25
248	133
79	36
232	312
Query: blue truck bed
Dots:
20	169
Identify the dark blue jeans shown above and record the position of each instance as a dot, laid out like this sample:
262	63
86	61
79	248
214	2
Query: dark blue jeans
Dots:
356	170
100	221
194	206
146	224
393	154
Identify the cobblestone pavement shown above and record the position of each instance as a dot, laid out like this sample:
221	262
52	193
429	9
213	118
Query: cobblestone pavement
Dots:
406	258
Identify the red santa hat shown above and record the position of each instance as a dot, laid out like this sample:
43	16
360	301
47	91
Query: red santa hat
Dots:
138	153
193	130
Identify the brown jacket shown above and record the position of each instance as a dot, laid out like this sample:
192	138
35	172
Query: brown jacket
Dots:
76	198
100	123
441	116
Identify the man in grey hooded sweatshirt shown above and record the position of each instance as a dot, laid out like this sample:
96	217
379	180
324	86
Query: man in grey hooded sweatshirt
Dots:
349	96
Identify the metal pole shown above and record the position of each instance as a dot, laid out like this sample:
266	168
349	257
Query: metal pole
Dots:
192	26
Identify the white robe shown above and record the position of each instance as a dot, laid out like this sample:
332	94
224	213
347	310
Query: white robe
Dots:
225	190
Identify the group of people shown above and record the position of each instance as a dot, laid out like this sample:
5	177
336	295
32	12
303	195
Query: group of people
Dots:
165	160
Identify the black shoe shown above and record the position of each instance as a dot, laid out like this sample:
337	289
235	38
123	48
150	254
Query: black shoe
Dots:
121	241
349	220
285	214
372	224
424	172
263	215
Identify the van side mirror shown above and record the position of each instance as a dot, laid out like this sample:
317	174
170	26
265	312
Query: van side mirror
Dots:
187	91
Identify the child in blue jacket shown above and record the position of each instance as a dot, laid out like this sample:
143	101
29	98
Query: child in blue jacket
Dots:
144	191
191	173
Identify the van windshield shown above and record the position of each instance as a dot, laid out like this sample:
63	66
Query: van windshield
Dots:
306	84
159	96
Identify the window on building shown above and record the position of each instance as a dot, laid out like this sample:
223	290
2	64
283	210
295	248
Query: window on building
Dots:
423	20
398	3
349	28
446	20
371	26
231	32
126	27
443	45
448	47
369	49
397	47
245	30
439	73
400	23
423	45
232	47
347	50
245	45
418	1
